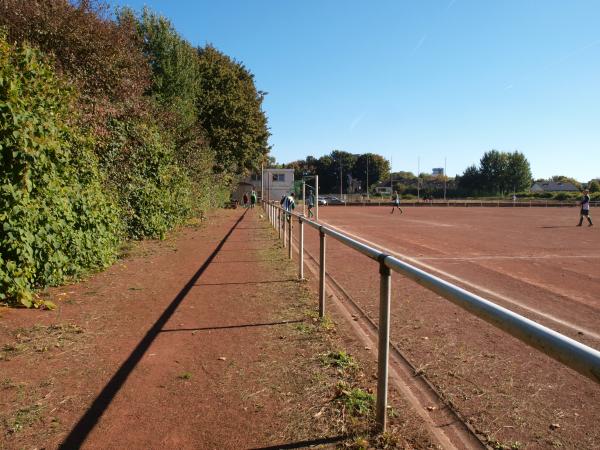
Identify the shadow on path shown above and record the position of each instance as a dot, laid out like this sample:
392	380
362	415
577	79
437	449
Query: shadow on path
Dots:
302	444
89	420
248	325
249	282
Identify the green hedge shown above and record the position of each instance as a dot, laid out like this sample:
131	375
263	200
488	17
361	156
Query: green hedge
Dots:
56	220
153	191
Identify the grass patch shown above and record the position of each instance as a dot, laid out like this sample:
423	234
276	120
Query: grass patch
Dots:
185	376
40	339
25	417
339	359
355	401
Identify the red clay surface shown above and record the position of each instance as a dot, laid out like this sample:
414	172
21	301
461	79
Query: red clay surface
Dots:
533	261
184	345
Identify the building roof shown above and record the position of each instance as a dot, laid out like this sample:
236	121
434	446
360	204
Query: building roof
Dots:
555	186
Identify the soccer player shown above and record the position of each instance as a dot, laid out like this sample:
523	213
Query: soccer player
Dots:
289	204
396	202
310	202
585	209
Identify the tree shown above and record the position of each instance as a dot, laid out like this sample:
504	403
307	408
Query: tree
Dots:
101	56
518	173
470	180
343	165
230	111
493	169
594	186
175	88
174	63
378	167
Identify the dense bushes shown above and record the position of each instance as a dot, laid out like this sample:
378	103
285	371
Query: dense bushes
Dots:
56	220
125	131
153	191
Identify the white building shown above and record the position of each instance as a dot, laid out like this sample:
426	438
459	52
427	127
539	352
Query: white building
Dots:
276	183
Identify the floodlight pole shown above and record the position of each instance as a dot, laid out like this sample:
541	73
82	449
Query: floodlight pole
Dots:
367	176
341	178
418	178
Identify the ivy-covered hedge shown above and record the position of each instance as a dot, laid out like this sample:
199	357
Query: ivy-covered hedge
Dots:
154	192
56	220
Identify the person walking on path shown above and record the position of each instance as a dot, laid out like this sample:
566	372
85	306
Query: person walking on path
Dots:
396	202
289	204
252	198
245	198
585	209
310	202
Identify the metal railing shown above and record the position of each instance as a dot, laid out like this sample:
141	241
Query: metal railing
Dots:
565	350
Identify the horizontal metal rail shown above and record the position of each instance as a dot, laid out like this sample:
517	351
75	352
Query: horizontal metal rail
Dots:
565	350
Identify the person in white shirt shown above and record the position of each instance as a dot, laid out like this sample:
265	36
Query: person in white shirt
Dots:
396	202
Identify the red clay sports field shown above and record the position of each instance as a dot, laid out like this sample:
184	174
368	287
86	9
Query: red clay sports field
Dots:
534	261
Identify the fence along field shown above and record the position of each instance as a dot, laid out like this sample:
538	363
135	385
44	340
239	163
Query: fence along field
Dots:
533	261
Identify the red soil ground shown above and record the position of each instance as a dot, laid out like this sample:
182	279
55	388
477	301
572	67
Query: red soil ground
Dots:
533	261
203	341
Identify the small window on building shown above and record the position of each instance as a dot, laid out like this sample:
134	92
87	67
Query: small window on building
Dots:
279	177
255	177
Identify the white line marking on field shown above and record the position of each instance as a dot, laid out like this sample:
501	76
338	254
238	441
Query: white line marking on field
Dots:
415	261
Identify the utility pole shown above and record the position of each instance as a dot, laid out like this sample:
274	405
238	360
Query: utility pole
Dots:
367	176
391	172
341	178
418	178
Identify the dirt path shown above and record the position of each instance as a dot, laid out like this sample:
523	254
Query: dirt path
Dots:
205	340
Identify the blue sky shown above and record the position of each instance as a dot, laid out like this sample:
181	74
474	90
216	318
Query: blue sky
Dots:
418	80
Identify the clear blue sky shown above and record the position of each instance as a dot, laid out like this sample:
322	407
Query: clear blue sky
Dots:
416	79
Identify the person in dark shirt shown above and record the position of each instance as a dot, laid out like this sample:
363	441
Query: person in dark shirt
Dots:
310	202
585	209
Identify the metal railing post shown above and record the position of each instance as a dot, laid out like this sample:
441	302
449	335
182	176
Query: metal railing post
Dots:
385	291
279	222
285	228
289	218
301	250
322	274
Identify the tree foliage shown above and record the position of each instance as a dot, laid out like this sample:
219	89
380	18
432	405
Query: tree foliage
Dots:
56	220
230	111
154	131
378	169
99	55
498	173
594	186
340	163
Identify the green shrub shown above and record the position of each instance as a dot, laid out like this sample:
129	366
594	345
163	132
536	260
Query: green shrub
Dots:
154	193
56	221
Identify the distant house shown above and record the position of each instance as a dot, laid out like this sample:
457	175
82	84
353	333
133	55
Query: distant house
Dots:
384	187
553	186
277	182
